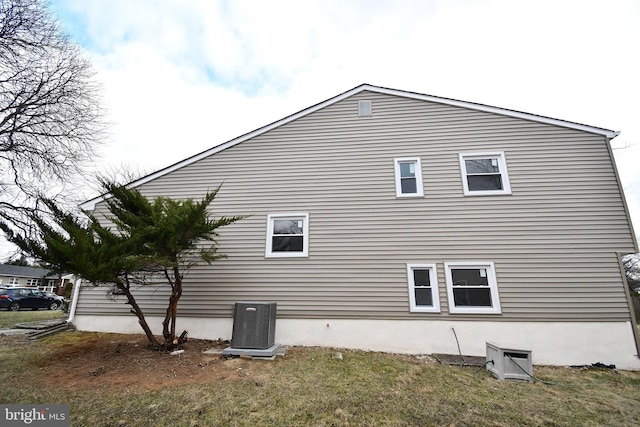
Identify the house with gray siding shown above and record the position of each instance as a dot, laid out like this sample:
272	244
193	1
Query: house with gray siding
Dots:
41	278
388	220
18	275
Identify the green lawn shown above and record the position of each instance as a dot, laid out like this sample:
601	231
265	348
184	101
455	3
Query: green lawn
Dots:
9	318
113	380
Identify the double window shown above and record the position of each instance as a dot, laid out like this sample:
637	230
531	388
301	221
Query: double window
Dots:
484	174
408	177
471	288
287	235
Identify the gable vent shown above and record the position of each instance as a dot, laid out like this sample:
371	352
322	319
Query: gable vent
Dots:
364	108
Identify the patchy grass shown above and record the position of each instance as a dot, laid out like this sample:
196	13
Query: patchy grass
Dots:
111	379
8	319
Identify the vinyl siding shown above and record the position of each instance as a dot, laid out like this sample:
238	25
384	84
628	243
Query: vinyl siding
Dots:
553	240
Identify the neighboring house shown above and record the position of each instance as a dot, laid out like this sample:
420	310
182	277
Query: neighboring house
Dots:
57	283
17	275
395	221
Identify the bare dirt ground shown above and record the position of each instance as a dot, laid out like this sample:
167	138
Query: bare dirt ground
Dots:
127	361
105	379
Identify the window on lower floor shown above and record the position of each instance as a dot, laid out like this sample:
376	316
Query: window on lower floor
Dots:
287	235
484	174
408	177
33	282
472	287
423	288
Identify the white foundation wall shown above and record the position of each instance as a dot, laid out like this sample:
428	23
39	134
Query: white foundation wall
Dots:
551	343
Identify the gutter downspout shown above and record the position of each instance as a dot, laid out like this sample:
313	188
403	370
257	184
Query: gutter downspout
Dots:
74	300
632	312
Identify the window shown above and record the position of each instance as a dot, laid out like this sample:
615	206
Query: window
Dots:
408	177
423	288
472	287
33	282
287	235
484	174
14	281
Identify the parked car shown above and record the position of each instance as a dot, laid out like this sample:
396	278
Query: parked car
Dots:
16	298
56	297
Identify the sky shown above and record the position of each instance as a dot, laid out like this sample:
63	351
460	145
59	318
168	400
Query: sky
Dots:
181	76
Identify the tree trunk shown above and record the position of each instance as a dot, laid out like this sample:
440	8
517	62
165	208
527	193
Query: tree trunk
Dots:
169	322
135	309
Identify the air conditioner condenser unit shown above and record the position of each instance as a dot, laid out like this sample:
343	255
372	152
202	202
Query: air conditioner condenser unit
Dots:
254	330
254	325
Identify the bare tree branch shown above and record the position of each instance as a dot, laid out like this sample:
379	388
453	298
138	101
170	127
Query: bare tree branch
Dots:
50	115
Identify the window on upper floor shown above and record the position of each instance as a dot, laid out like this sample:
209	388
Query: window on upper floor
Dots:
484	174
287	235
14	281
408	177
472	287
423	288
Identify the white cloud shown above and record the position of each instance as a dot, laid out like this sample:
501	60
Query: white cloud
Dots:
182	76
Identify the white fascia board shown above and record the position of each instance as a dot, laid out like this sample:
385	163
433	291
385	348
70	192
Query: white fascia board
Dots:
496	110
89	205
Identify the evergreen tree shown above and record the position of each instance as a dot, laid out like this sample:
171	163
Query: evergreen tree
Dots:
159	239
20	260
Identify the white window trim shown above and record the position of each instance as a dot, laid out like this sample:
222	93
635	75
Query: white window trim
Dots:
396	165
502	164
493	287
305	243
33	282
435	293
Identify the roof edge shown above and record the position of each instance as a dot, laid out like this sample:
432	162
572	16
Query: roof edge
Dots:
89	205
498	110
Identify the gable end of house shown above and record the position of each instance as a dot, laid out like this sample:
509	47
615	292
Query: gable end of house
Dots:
89	205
